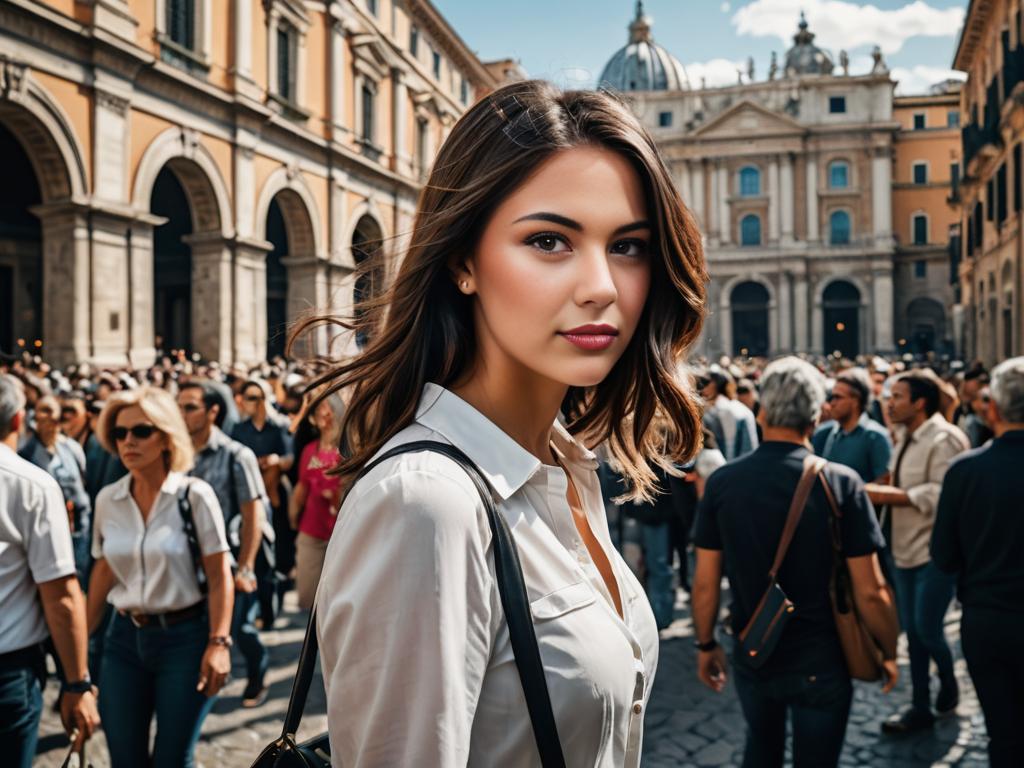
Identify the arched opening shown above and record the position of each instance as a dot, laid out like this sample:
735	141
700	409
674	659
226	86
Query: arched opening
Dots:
841	308
21	251
277	281
366	242
926	319
750	230
749	307
172	264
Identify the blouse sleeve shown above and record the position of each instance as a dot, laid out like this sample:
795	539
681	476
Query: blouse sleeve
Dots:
407	616
208	518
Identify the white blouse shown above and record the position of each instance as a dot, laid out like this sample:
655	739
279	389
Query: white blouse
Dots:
150	559
415	649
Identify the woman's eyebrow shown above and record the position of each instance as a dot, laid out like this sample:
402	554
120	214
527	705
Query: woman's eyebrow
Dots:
568	223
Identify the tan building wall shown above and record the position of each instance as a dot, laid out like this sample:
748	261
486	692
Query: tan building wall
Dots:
104	98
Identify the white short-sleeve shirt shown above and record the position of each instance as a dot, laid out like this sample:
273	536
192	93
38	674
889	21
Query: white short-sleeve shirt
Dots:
150	559
414	645
35	547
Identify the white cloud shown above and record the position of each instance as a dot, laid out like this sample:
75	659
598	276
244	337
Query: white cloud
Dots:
918	79
726	6
843	24
715	72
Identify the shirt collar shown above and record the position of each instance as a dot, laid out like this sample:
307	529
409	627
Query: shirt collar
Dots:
506	464
217	440
932	423
171	485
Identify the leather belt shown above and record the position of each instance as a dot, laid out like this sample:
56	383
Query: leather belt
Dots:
165	620
21	658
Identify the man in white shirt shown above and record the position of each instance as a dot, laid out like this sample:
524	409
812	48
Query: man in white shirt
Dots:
40	596
738	427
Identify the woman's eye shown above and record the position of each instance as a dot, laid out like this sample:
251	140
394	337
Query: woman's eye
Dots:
548	243
634	248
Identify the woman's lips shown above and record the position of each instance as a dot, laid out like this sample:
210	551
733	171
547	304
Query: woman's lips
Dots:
592	342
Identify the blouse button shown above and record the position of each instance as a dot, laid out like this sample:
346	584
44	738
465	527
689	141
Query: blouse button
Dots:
637	708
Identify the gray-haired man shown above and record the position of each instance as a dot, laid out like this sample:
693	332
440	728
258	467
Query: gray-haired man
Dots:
40	596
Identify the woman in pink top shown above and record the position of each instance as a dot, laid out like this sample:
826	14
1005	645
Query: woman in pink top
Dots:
313	508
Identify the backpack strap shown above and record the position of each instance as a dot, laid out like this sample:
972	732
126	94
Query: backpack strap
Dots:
189	525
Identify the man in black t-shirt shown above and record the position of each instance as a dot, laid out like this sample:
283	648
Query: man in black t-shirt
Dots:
739	524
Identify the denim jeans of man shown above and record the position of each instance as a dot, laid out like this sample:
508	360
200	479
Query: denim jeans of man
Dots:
992	641
21	705
818	704
656	543
922	596
247	637
153	671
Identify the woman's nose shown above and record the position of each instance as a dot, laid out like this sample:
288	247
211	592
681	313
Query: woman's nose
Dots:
595	282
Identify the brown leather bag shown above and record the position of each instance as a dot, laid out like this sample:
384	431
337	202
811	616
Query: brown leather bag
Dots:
863	654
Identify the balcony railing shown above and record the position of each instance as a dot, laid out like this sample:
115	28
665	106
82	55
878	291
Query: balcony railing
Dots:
974	137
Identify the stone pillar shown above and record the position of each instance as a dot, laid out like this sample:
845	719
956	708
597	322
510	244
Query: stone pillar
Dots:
337	74
881	197
725	222
401	159
817	327
683	182
714	212
113	290
813	234
697	182
250	299
801	341
114	16
785	335
139	322
883	303
773	200
786	203
244	198
308	291
213	320
111	142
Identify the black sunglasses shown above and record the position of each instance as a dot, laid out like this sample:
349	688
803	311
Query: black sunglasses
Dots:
139	432
252	398
191	407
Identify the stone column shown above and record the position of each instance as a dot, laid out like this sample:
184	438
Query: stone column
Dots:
881	197
714	212
773	201
111	142
308	290
786	202
813	234
139	322
697	181
725	223
402	160
213	320
116	17
683	181
785	335
801	341
817	326
883	305
337	74
250	295
245	186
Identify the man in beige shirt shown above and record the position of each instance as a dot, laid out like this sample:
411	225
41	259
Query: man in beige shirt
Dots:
923	592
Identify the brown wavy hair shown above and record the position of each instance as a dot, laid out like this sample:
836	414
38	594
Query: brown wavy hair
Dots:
421	328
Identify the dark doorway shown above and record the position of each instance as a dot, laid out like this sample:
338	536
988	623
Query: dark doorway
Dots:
366	242
277	282
927	320
21	251
749	304
172	265
841	305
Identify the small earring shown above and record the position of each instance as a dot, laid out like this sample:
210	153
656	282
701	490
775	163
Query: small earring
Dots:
464	285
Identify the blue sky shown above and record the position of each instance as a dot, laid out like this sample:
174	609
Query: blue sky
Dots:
568	41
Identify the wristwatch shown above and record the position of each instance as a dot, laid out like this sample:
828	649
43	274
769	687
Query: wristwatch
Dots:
78	686
710	645
247	573
222	640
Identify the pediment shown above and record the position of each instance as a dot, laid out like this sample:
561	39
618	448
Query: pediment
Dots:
749	120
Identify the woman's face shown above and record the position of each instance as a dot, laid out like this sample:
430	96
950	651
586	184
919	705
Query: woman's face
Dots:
323	418
73	417
136	452
562	270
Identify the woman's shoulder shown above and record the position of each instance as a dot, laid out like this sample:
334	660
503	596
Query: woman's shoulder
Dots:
198	490
115	491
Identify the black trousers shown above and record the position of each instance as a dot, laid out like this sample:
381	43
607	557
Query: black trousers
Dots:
992	642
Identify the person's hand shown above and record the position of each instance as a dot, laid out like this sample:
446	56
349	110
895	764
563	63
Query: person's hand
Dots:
890	675
690	477
214	669
711	668
79	716
268	461
245	580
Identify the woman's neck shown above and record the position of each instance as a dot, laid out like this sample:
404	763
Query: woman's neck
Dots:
147	482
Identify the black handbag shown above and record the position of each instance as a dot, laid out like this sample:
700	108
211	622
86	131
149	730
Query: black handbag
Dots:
285	752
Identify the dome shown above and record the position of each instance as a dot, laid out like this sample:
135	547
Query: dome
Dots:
805	58
642	65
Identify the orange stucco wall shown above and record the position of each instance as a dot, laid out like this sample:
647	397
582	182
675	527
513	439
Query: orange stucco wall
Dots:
222	154
318	186
144	12
145	127
76	101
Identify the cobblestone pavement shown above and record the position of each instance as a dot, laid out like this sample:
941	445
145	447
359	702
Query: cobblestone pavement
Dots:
686	725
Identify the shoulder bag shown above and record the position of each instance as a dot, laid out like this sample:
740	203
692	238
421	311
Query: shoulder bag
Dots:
761	634
189	524
863	654
285	752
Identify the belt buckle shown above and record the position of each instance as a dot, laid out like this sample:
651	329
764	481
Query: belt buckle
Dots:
140	620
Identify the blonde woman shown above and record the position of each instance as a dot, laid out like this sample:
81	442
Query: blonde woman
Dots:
166	652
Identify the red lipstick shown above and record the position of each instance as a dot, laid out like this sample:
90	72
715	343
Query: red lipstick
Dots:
591	337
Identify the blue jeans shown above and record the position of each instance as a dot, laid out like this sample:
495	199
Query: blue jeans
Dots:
922	595
153	671
656	543
246	636
819	704
21	705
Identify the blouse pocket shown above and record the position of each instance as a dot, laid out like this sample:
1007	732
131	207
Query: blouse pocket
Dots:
562	601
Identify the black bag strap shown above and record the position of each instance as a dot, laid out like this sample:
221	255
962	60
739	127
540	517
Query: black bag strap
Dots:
189	524
514	601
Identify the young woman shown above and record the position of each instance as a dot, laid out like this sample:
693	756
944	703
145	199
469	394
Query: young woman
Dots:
314	503
552	267
166	651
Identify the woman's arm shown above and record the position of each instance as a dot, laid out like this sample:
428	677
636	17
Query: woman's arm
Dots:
101	581
216	663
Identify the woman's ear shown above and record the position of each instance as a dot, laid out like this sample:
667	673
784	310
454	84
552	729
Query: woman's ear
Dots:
461	271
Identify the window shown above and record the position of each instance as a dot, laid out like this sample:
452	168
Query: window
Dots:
437	65
371	6
464	91
750	230
920	268
750	182
181	22
954	177
368	98
664	119
839	228
920	171
990	200
919	121
837	104
920	229
286	54
1001	192
422	126
414	41
953	118
839	175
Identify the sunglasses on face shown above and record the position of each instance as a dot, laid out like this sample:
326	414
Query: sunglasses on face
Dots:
68	413
139	432
252	398
191	407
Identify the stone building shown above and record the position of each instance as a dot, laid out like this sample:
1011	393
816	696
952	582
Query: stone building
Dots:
991	52
926	173
192	174
790	178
